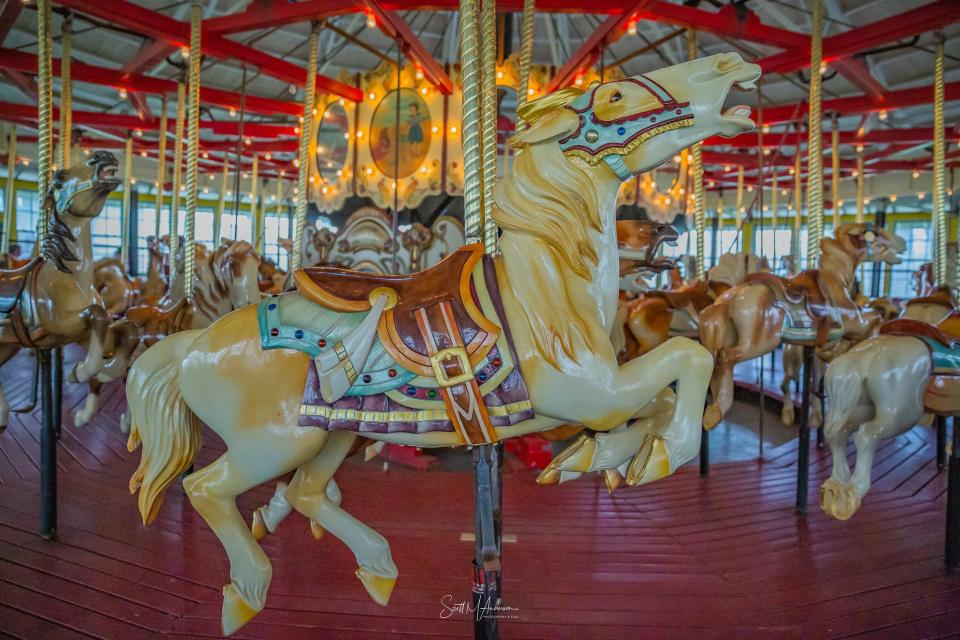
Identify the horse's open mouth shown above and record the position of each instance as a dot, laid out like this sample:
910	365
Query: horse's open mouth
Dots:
740	114
106	176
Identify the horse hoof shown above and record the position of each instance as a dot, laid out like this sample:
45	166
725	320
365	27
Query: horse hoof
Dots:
236	612
786	416
576	457
378	587
838	500
258	528
652	462
612	478
711	417
316	530
548	476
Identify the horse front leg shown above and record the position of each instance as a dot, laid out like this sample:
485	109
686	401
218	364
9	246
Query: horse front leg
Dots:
127	341
97	323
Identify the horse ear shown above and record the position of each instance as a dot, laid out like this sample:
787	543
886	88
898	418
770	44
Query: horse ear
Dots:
560	123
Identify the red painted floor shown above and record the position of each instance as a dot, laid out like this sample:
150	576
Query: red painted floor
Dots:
687	557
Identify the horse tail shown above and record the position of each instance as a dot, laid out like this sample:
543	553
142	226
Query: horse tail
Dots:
161	421
843	384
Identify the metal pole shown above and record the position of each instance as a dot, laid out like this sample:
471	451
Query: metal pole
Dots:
44	110
193	150
239	154
952	547
814	144
488	114
305	135
699	200
835	169
161	166
126	215
10	202
939	178
256	216
803	445
66	92
177	171
941	424
221	205
48	449
472	167
526	51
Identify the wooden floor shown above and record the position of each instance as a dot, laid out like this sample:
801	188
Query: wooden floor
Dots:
687	557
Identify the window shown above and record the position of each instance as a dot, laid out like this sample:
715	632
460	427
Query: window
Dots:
274	228
774	244
919	238
146	229
234	227
28	214
106	230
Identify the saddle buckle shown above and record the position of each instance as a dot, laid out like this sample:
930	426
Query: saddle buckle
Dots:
460	354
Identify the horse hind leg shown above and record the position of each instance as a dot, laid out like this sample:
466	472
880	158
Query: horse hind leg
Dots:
268	517
791	373
310	495
213	491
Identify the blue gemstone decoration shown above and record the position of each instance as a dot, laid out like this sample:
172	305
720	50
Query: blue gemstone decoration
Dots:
272	306
482	376
411	391
621	130
298	334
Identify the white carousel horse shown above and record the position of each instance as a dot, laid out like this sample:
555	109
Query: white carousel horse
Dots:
557	213
880	389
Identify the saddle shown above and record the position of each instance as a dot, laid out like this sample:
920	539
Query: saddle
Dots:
430	324
947	333
12	284
805	286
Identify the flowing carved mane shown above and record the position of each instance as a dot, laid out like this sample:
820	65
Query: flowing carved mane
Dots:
57	239
554	202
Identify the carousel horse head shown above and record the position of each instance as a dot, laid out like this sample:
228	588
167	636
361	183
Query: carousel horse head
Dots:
869	243
639	242
82	189
80	192
578	140
236	269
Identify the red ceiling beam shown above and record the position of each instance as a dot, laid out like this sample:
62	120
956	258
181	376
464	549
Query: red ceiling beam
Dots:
162	27
609	31
275	13
863	104
722	23
26	84
855	70
139	102
9	12
81	72
904	25
149	55
876	136
394	27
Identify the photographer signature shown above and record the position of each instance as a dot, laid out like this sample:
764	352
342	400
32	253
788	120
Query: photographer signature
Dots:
484	609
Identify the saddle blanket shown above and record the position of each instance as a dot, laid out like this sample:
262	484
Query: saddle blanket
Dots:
385	397
945	360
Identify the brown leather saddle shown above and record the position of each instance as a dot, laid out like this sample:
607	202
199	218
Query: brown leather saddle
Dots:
946	333
12	284
432	325
803	287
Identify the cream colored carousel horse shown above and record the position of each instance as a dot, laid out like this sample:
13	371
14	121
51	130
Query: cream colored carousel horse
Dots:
557	211
880	389
751	319
226	279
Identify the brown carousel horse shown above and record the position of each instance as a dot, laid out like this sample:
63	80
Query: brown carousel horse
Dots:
225	280
750	319
52	301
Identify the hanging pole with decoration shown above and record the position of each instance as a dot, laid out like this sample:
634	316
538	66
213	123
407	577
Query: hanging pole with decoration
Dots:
193	151
300	217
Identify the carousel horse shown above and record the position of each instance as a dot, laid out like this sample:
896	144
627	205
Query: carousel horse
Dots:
225	280
415	240
317	243
52	301
113	284
750	319
880	389
470	351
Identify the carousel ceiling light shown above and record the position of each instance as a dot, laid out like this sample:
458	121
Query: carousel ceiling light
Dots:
185	52
296	162
632	29
419	74
859	148
916	174
727	168
372	96
86	152
341	102
423	169
346	135
854	173
499	75
122	93
766	152
312	179
339	172
143	154
531	91
453	129
766	208
206	155
839	203
133	181
232	112
369	171
676	159
268	156
866	201
710	184
210	176
371	21
749	188
206	190
921	195
882	115
893	198
578	81
244	175
766	128
248	141
324	190
314	111
791	170
423	90
138	133
359	133
435	128
783	192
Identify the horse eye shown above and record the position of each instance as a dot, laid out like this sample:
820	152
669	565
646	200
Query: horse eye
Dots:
616	96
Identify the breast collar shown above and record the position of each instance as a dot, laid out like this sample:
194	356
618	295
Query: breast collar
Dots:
596	139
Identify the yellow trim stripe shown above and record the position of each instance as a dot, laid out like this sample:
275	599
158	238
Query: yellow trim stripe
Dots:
422	415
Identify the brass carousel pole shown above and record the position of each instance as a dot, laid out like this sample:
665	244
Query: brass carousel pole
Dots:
126	218
835	171
860	216
488	41
193	150
472	168
774	208
177	171
222	203
256	213
44	108
798	213
939	169
699	205
10	210
526	51
814	233
161	166
50	402
815	143
306	126
66	92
